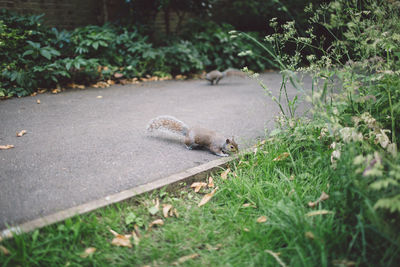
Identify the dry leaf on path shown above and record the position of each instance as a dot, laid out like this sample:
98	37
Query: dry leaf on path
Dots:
56	91
318	212
21	133
210	182
166	209
281	156
99	96
156	222
38	101
121	240
198	185
262	219
207	197
89	251
186	258
224	175
4	250
276	256
6	147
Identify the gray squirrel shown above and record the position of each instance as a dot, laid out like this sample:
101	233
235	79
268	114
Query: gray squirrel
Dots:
216	75
195	136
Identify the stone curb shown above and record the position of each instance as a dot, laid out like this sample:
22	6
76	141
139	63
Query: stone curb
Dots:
189	175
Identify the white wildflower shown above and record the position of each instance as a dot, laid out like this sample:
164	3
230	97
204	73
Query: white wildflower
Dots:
382	138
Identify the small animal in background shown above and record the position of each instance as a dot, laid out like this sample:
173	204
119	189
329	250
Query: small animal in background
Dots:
195	136
216	76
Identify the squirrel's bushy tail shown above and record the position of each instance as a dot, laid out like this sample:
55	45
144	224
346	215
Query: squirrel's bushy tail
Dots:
169	124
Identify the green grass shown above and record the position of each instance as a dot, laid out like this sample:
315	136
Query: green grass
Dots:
224	232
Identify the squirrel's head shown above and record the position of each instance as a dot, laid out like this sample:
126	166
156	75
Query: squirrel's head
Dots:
230	146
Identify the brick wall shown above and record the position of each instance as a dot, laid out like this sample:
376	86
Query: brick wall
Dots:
63	14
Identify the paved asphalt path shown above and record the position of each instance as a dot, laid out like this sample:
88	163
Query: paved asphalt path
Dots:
80	147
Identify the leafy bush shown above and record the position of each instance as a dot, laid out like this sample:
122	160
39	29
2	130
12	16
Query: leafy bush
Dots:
355	99
220	50
355	111
38	57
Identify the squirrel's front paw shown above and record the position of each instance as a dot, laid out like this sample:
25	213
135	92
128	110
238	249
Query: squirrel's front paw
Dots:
222	155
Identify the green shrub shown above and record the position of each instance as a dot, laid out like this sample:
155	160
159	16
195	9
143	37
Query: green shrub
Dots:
355	94
38	57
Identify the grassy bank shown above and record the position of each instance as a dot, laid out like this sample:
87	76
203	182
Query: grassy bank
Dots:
265	213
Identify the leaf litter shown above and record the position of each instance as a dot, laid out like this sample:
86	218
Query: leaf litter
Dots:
207	197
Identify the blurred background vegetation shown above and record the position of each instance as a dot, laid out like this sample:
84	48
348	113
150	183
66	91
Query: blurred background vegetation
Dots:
131	39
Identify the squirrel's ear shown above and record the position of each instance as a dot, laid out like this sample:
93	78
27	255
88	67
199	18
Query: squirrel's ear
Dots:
228	141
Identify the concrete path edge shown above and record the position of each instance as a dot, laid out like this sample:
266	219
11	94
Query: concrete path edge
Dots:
172	181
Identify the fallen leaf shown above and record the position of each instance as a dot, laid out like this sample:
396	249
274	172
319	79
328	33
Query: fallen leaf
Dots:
110	82
210	182
318	212
324	196
136	238
291	178
211	248
38	101
156	222
198	185
343	262
263	142
276	256
21	133
246	229
262	219
124	81
118	75
74	85
245	205
42	91
56	91
166	209
99	96
224	175
4	250
186	258
34	94
281	156
121	240
309	235
175	212
89	251
207	197
6	147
